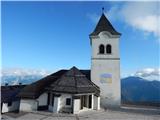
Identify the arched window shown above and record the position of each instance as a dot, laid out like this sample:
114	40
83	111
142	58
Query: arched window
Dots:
109	49
101	49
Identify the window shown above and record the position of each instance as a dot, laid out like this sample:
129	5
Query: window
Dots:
109	49
68	101
9	104
101	49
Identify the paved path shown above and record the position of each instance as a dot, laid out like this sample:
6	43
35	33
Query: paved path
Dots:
120	114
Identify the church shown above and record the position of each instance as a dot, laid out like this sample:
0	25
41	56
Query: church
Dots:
76	90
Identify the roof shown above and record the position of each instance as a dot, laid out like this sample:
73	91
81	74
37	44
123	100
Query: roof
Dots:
104	25
75	82
35	89
9	93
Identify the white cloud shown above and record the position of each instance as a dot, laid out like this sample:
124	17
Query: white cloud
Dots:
148	74
23	72
14	76
144	16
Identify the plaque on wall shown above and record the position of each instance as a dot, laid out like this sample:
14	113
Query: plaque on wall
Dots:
106	78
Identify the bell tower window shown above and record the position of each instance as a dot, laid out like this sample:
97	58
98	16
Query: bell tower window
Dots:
109	49
101	49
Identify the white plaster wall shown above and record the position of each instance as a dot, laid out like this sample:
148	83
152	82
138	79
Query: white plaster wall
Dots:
42	100
13	107
76	105
60	102
92	105
28	105
104	39
56	106
110	92
96	103
63	100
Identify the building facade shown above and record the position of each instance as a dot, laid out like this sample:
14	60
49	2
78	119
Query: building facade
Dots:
105	62
69	91
9	100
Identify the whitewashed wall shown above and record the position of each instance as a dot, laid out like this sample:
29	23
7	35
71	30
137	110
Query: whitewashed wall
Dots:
42	99
76	105
96	103
56	106
28	105
13	107
104	39
63	100
110	92
106	64
60	102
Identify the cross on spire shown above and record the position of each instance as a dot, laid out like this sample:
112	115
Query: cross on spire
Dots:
102	9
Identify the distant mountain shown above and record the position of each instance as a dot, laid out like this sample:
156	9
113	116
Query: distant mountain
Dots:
14	76
14	79
136	89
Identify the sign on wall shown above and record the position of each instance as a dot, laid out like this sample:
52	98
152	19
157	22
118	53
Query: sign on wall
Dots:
106	78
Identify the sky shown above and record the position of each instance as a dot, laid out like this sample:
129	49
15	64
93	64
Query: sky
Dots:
55	35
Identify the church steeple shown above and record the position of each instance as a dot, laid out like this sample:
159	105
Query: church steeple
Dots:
105	62
104	25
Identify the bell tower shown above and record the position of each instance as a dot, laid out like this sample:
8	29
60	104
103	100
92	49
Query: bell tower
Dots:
105	62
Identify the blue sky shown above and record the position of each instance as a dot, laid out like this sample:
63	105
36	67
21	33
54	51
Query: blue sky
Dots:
55	35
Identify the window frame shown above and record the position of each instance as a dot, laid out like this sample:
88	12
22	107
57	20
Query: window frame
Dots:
68	100
108	49
101	49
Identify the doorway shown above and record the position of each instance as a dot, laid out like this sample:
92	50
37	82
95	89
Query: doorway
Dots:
86	101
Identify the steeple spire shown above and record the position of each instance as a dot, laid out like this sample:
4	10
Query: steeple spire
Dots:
104	25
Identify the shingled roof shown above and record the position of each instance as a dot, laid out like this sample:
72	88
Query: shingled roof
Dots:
75	82
35	89
9	93
104	25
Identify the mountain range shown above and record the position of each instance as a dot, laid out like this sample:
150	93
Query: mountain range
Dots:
136	89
